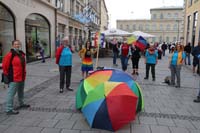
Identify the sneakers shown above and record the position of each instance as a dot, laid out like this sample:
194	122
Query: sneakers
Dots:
197	100
12	112
145	78
61	90
24	106
69	89
153	79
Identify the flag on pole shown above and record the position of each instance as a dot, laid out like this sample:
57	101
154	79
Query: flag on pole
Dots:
131	39
141	43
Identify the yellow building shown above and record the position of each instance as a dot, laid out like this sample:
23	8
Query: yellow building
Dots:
192	22
166	24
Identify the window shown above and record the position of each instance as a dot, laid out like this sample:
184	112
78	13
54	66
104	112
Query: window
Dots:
175	27
147	27
167	39
60	5
161	16
176	15
37	36
121	27
134	27
174	39
153	27
194	27
140	27
169	15
127	27
154	16
190	2
161	27
7	30
188	27
168	27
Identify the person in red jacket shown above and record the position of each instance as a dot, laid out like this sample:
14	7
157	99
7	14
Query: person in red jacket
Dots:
14	68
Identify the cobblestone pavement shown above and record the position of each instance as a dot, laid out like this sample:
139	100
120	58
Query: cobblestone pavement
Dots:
167	109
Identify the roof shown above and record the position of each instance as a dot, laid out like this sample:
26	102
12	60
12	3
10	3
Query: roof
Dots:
168	8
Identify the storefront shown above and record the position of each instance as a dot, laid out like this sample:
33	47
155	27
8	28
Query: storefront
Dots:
7	30
37	37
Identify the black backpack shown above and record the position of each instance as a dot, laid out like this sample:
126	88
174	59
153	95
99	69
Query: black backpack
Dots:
6	78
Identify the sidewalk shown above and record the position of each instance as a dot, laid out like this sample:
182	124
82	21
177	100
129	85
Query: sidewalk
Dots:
167	109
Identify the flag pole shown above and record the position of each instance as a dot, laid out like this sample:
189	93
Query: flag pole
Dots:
97	56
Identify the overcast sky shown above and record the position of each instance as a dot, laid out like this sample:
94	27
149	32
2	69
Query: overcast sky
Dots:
135	9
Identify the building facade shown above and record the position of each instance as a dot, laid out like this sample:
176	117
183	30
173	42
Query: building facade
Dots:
104	16
192	22
166	24
28	21
43	23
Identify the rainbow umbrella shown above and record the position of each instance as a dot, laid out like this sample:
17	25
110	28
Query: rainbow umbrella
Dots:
109	99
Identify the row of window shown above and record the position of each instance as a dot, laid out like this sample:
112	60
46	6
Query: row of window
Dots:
166	39
153	27
167	16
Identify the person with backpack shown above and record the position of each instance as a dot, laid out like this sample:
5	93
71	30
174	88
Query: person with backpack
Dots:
14	70
64	61
151	59
125	53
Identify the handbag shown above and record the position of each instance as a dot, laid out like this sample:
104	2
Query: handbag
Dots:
5	78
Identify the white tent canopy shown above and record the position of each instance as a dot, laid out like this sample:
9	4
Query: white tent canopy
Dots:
116	32
143	34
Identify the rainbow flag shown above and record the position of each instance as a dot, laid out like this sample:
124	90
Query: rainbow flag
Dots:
141	43
131	39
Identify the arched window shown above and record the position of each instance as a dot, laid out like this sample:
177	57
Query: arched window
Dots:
168	27
161	16
7	30
37	36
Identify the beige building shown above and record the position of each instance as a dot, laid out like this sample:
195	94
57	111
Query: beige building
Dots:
192	22
166	24
43	23
29	21
104	17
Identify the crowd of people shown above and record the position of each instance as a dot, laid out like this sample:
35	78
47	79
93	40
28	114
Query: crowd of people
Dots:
14	65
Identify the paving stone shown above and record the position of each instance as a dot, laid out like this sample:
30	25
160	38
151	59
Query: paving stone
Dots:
184	124
32	130
3	128
67	124
50	130
70	131
81	124
159	129
147	120
165	122
194	131
140	129
62	116
178	130
196	124
167	111
82	131
27	121
14	129
48	123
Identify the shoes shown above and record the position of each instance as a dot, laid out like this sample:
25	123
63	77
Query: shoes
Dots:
115	65
177	86
145	78
24	106
12	112
137	73
69	89
61	90
153	79
197	100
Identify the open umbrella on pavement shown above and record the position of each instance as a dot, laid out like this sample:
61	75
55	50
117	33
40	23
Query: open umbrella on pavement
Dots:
109	99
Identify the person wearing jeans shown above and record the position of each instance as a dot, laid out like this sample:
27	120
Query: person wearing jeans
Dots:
14	68
175	63
125	53
151	59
